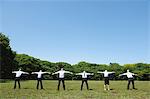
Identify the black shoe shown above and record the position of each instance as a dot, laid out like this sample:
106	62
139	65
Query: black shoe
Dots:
135	88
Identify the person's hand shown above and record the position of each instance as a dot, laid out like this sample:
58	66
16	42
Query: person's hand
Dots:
52	73
135	74
92	73
26	73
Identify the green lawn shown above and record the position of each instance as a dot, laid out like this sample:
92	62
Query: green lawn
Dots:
28	90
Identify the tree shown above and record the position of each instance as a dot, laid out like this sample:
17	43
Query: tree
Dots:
6	57
27	63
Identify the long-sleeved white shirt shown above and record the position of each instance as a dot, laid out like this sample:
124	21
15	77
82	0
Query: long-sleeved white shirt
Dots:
84	75
19	73
39	74
106	74
128	74
61	73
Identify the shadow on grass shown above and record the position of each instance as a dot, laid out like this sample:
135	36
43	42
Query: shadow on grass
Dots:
28	88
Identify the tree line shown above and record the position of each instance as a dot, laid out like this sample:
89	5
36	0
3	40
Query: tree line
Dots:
11	61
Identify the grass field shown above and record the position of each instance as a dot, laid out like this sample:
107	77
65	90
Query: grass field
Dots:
28	90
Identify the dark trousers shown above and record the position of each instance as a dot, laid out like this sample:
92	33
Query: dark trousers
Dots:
84	80
63	82
39	80
17	79
106	80
130	80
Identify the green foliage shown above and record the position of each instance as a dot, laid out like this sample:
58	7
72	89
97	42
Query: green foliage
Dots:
29	64
11	61
6	58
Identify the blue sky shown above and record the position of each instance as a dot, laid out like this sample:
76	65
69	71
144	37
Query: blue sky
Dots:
96	31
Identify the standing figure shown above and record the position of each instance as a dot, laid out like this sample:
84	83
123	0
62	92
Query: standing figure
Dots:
130	77
61	77
84	78
39	78
17	77
106	79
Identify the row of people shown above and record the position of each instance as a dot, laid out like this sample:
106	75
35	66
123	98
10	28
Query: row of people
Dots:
84	75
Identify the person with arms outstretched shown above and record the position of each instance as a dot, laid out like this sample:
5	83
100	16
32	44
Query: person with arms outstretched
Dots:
106	79
17	77
130	77
39	78
84	78
61	77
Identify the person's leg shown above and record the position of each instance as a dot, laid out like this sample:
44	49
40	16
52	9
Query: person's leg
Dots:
128	83
19	82
15	83
108	84
105	82
41	83
82	84
104	87
133	83
87	84
37	87
58	84
108	87
63	82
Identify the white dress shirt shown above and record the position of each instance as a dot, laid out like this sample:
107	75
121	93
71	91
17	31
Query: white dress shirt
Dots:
19	73
128	74
106	74
61	73
39	74
84	74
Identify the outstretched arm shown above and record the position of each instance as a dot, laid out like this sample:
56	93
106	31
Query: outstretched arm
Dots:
55	73
68	72
111	72
25	73
123	74
46	73
100	72
14	71
134	74
34	72
90	73
78	73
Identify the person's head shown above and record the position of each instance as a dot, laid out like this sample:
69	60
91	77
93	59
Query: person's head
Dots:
128	70
61	69
105	70
84	72
40	71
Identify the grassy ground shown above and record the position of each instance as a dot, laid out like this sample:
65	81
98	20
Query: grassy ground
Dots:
28	90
